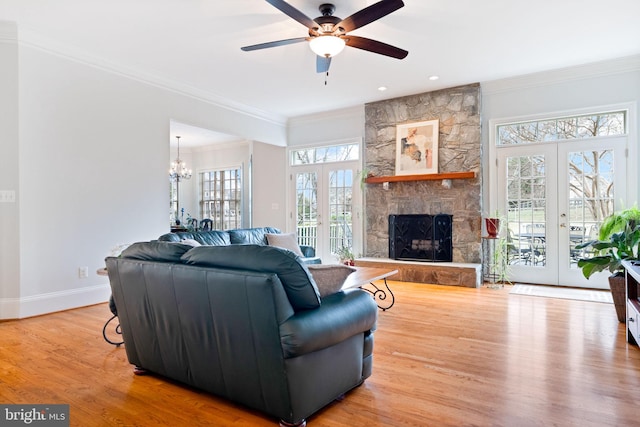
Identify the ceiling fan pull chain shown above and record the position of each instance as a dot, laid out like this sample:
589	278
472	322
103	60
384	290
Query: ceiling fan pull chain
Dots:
325	78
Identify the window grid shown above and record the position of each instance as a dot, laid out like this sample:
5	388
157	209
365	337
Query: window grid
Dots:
334	153
221	198
340	209
307	208
562	128
526	199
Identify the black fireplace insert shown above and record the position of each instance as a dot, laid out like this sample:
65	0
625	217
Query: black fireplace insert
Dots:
421	237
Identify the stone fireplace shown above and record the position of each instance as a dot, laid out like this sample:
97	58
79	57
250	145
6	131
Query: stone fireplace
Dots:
420	237
458	112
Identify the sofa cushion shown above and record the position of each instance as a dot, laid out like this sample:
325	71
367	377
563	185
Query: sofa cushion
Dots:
294	275
285	241
251	236
156	251
329	278
212	238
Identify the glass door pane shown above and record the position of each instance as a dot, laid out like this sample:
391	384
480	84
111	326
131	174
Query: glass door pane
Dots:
594	185
527	192
591	196
307	208
340	209
527	213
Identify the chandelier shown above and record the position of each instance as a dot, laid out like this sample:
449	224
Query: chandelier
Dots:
179	169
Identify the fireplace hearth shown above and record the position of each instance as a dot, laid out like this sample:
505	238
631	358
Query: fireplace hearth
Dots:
421	237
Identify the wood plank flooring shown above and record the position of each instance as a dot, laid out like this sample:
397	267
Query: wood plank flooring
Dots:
443	356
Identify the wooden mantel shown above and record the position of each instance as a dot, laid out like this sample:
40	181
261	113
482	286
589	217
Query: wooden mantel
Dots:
426	177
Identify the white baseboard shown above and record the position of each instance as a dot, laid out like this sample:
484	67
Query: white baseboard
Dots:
18	308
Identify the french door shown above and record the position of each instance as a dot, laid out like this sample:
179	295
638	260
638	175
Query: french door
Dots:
554	197
327	207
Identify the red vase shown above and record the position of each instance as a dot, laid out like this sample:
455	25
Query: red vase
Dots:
493	226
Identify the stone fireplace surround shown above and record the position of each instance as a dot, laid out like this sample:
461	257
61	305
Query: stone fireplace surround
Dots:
458	110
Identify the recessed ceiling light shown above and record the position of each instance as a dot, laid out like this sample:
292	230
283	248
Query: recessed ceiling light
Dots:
432	78
382	88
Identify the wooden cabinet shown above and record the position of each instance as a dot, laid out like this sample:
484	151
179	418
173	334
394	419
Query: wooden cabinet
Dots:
632	269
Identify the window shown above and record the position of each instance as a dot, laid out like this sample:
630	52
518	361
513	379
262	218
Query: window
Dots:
334	153
173	201
586	126
221	198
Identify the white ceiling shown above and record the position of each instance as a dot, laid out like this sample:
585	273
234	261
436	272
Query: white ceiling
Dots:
192	136
194	45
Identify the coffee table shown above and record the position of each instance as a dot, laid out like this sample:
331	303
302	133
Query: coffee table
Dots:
364	277
107	326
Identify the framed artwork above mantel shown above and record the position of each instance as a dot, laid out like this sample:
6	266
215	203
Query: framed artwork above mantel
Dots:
417	148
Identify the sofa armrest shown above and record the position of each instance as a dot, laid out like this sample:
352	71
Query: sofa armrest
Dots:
308	251
341	316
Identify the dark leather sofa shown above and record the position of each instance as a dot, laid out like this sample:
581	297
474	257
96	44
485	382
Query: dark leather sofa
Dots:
240	236
244	322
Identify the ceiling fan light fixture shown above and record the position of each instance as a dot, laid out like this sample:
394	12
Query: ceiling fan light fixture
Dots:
327	45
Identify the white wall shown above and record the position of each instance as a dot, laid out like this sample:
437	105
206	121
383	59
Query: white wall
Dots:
90	172
269	183
9	211
590	86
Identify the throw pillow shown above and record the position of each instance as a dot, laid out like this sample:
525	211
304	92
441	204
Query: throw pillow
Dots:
285	241
329	277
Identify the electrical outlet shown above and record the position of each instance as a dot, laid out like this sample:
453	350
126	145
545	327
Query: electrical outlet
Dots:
83	272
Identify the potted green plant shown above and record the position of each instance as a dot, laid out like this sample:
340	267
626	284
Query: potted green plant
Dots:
618	221
345	255
619	241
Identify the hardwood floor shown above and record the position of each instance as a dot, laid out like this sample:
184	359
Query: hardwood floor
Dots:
443	356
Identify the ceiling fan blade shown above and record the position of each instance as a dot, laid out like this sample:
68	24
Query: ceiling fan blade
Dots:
369	14
322	64
293	13
375	46
274	44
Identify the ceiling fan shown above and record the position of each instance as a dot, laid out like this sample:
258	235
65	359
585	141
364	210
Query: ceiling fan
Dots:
328	33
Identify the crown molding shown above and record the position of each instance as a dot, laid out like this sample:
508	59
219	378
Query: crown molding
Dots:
580	72
32	39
